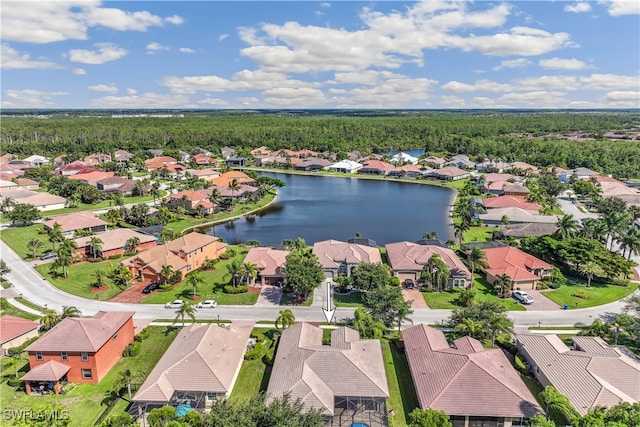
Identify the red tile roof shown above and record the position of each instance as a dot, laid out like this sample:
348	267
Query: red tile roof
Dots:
513	262
75	221
12	327
159	162
269	261
49	371
377	165
93	176
190	195
510	202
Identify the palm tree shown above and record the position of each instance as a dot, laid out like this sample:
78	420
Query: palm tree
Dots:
503	284
68	245
95	244
285	319
70	311
366	326
101	277
249	272
498	324
167	234
439	272
590	269
403	315
155	192
63	261
7	204
73	200
567	227
630	241
613	223
234	186
125	378
470	327
598	329
504	220
476	259
186	310
430	235
49	319
215	195
113	217
166	272
33	245
235	269
132	243
55	235
193	280
591	228
459	229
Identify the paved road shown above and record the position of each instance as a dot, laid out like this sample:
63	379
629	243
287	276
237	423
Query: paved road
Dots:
569	208
33	287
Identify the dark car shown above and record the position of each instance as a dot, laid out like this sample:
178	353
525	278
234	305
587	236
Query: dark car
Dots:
409	284
150	288
49	255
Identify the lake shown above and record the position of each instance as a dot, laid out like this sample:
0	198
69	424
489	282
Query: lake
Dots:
319	208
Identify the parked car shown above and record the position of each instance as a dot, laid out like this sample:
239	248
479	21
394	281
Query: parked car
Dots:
150	288
49	255
409	284
522	297
174	304
210	303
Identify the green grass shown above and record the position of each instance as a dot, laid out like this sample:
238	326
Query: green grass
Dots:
29	304
254	374
291	299
402	398
598	294
484	291
84	402
79	279
18	237
213	283
353	299
105	204
11	310
479	234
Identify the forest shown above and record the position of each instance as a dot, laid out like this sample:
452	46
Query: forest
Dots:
478	134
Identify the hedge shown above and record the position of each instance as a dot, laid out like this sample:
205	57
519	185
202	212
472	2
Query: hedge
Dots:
240	289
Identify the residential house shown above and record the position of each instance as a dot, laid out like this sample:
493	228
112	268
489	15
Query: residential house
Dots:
241	194
313	164
473	385
345	166
523	269
42	201
91	177
235	161
435	162
157	163
27	184
492	165
514	216
516	190
74	168
114	242
78	350
591	375
226	178
518	231
227	152
461	161
8	185
192	201
403	158
260	151
116	184
184	254
122	156
345	380
199	368
270	263
375	167
97	159
410	171
70	223
408	260
339	258
15	331
510	202
206	174
284	152
450	173
306	154
37	160
201	159
155	152
525	168
577	173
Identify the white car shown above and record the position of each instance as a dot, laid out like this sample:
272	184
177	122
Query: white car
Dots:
523	297
174	304
210	303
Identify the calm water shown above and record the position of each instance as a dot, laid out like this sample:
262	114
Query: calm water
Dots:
319	208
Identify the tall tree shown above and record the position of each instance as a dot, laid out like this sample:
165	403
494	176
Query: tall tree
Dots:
166	271
193	280
124	380
368	276
70	311
428	418
187	310
366	326
33	246
477	259
100	277
49	319
55	235
470	327
285	319
503	285
440	272
385	304
95	245
567	227
24	214
498	324
590	269
234	186
302	272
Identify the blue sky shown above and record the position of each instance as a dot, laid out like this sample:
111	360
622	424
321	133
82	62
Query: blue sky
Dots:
304	54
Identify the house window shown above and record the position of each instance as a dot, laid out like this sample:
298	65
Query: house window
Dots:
38	355
86	374
84	356
114	336
64	356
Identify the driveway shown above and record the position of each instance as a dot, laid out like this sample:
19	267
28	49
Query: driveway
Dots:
415	296
541	303
269	296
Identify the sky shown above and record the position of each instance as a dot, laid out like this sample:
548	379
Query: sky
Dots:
320	55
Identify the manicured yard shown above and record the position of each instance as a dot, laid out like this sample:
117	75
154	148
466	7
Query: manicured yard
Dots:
105	204
79	279
352	299
402	399
484	291
18	237
292	299
85	401
254	374
8	309
479	234
213	283
598	294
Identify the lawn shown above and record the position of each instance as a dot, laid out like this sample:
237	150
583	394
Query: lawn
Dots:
484	291
85	401
402	398
79	279
105	204
213	283
254	374
479	234
7	309
18	237
598	294
292	299
352	299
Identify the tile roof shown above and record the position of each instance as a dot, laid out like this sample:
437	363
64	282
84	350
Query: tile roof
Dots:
92	176
225	191
333	253
159	162
226	178
515	188
203	357
517	215
593	376
318	373
465	379
513	262
529	229
451	171
115	239
269	261
49	371
408	256
377	165
12	327
75	221
510	202
190	195
81	334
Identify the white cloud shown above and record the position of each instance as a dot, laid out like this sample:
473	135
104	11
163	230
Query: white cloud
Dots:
477	86
562	64
12	59
325	5
622	7
104	88
222	37
106	52
546	82
174	19
535	99
610	82
523	41
53	21
146	100
79	71
368	77
186	50
578	7
155	47
512	63
214	101
633	98
131	91
29	98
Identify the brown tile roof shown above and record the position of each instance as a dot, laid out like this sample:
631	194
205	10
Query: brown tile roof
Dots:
225	191
517	215
510	202
159	162
155	258
333	253
435	160
269	261
26	182
75	221
190	195
115	239
203	357
34	198
495	177
451	171
318	373
377	165
78	334
12	327
465	379
192	241
513	262
593	376
49	371
529	229
515	188
408	256
91	177
226	178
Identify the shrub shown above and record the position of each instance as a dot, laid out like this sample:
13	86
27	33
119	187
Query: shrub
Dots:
14	382
259	336
520	366
555	284
394	281
240	289
116	256
175	277
94	259
254	354
143	335
580	294
269	358
543	284
165	287
132	349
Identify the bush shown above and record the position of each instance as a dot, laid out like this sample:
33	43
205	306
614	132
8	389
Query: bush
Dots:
116	256
94	259
543	284
520	366
240	289
269	358
259	336
132	349
14	382
143	335
254	354
165	287
580	294
620	282
555	284
175	277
